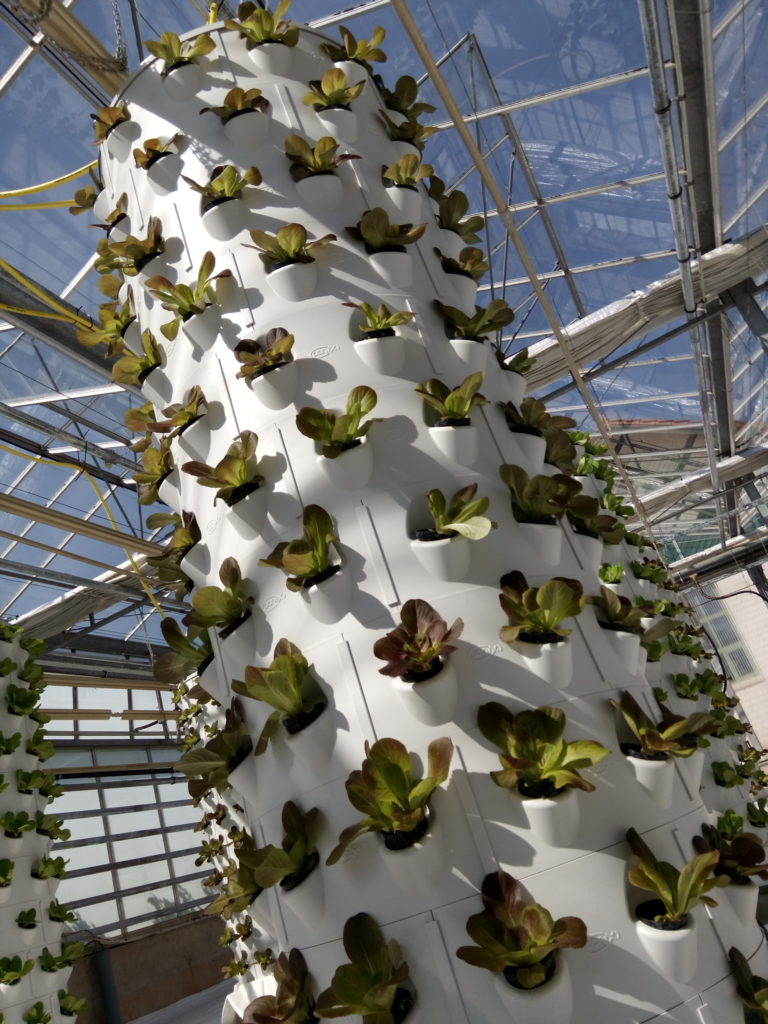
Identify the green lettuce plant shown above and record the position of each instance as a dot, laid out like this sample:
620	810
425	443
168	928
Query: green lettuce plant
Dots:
538	499
403	99
234	476
106	119
532	417
156	465
616	612
462	513
741	855
132	254
213	763
71	1005
308	161
114	320
338	432
536	760
391	798
225	606
188	652
375	231
15	823
58	912
332	91
186	300
650	569
361	51
409	131
534	614
150	151
371	984
408	171
516	937
679	890
134	367
381	321
452	216
291	862
421	642
611	573
7	867
27	918
9	743
225	182
478	325
175	53
284	685
453	405
51	826
752	989
521	362
238	101
19	700
186	533
257	25
308	557
292	1003
757	812
289	245
470	262
50	867
13	969
37	1014
673	735
259	357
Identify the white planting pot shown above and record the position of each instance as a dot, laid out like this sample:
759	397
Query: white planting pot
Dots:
472	355
320	192
183	81
294	282
277	388
395	268
545	540
451	243
551	1003
225	219
459	290
589	551
554	821
202	329
352	469
657	778
313	745
163	173
740	900
674	953
273	58
329	601
444	559
626	647
691	769
383	355
513	386
247	129
245	780
460	444
340	123
552	663
520	449
249	514
408	202
432	701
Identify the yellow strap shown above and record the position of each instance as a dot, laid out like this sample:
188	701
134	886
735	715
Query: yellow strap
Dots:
102	502
48	184
36	206
79	320
67	318
213	12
